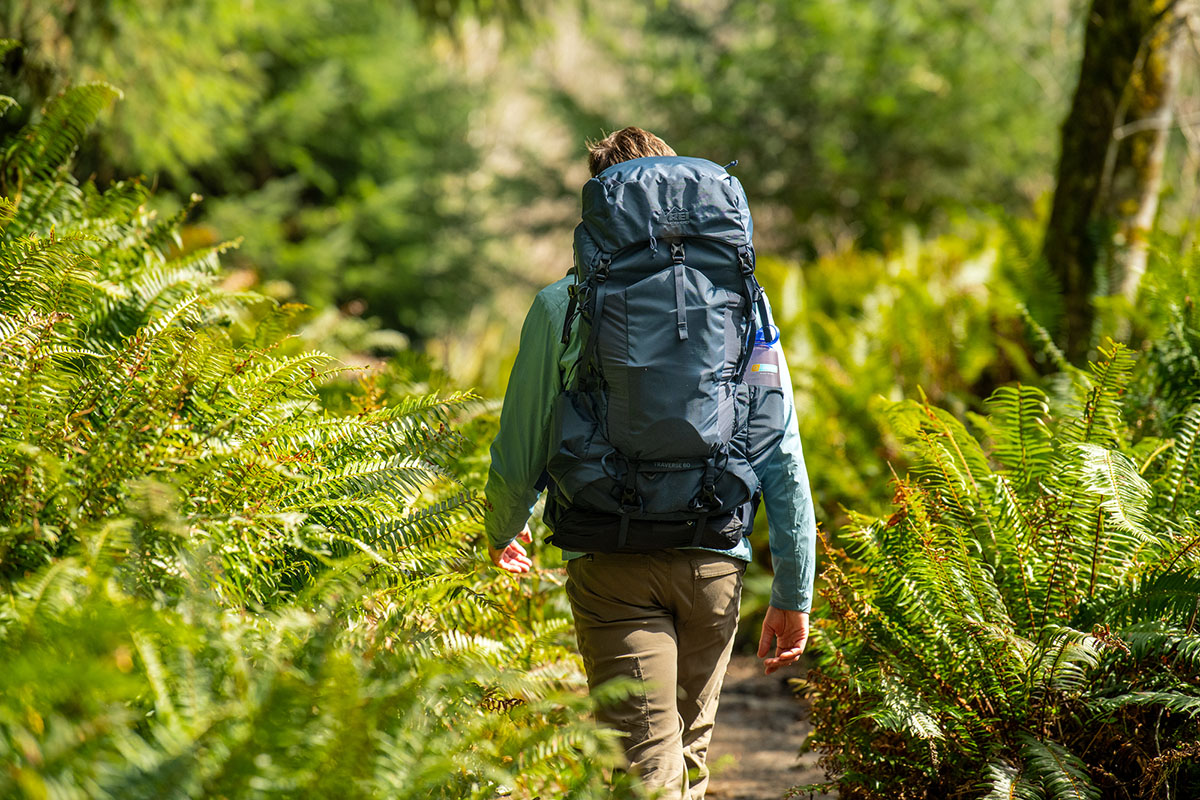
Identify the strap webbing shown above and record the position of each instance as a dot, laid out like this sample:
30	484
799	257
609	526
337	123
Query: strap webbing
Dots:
597	314
753	297
680	304
572	307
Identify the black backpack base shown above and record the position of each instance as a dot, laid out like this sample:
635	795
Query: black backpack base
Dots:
583	531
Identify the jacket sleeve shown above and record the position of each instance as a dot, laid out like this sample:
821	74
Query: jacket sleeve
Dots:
788	499
519	450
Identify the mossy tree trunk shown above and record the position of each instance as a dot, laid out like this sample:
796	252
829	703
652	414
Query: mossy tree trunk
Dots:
1135	166
1110	165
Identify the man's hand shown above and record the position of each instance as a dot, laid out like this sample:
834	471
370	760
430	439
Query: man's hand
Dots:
790	629
513	558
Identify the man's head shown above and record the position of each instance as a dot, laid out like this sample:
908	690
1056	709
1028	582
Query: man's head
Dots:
625	144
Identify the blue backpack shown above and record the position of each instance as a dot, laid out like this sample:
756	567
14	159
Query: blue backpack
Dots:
652	422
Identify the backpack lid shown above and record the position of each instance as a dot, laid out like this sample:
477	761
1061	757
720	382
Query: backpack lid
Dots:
663	197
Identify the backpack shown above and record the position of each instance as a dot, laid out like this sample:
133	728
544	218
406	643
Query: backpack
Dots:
652	423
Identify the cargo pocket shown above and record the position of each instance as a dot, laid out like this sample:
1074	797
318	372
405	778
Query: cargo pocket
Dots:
716	589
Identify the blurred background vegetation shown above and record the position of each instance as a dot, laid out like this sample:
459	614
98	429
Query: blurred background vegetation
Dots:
949	195
418	166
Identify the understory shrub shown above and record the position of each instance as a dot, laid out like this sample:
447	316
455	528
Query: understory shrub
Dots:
1024	623
219	577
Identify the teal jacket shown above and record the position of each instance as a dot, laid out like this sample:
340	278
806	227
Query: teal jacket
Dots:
523	446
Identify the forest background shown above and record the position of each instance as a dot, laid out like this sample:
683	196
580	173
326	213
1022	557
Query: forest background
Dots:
398	181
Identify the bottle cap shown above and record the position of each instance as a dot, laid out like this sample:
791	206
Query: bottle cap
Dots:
767	335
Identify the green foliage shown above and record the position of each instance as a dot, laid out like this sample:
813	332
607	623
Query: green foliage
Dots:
937	316
1168	320
850	120
212	581
1024	623
345	168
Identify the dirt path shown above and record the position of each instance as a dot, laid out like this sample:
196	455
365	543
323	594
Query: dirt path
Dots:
759	729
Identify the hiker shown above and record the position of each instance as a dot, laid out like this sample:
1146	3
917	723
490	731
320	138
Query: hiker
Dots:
651	398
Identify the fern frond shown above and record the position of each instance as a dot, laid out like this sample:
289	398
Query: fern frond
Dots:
1007	782
902	709
425	522
1169	595
1062	772
1067	656
1175	702
46	145
1156	642
8	210
1185	462
1099	419
1056	355
45	596
197	267
1022	439
1114	477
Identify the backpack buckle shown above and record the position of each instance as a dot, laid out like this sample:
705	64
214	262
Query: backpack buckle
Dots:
707	500
601	273
745	261
677	252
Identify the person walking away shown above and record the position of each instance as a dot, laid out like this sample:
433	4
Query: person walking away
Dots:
650	398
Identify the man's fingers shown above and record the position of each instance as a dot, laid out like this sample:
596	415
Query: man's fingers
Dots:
513	565
783	659
511	559
525	536
518	560
764	641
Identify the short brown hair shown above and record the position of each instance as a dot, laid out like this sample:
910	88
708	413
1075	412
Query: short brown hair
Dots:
624	145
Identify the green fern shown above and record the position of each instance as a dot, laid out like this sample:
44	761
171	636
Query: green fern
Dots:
212	581
1062	772
1031	603
45	147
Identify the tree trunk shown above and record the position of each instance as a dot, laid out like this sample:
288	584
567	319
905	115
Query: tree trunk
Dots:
1135	164
1123	38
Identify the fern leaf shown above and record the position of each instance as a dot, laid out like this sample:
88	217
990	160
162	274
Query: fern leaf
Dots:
1114	477
1021	439
1007	782
1060	771
1067	656
1099	413
1057	357
1175	702
46	595
1181	475
902	709
1167	595
46	145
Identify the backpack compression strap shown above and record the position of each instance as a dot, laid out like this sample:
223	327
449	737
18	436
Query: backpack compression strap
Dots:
680	296
596	282
755	296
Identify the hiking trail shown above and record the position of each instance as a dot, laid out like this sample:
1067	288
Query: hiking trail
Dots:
760	727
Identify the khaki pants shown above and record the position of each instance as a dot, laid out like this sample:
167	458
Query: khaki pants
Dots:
665	620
